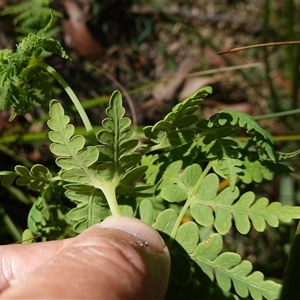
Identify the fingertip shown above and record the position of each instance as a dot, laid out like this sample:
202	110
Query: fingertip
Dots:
137	228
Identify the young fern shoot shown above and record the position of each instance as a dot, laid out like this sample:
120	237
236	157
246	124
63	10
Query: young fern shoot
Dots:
24	76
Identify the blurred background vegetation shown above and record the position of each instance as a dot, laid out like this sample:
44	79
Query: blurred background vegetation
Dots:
157	53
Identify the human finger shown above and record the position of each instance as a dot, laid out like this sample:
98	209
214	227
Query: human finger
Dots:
123	258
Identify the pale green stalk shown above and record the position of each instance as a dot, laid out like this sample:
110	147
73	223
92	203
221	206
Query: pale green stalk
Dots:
188	201
109	191
71	94
278	115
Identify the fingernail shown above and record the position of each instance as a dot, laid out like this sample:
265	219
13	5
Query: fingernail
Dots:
137	228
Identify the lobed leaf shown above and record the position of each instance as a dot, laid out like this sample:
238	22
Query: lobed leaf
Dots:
252	169
47	216
188	236
228	268
117	139
37	178
229	118
74	159
165	221
146	211
177	128
91	205
220	211
181	188
26	82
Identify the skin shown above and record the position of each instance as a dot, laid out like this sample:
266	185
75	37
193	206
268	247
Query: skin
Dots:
121	258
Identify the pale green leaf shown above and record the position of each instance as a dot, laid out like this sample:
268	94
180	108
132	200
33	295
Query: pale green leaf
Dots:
165	221
69	149
8	177
176	128
91	206
228	268
237	118
188	236
37	178
146	211
183	186
228	168
174	193
117	141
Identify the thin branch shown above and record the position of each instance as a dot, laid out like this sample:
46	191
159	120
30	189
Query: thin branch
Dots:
258	46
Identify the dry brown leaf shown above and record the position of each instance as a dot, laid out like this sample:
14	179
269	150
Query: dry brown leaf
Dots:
77	32
193	84
164	92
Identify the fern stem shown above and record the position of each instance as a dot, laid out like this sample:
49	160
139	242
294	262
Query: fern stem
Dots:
71	94
109	191
188	202
277	115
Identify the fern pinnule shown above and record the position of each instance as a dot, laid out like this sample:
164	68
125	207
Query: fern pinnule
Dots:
73	157
37	178
177	128
229	268
117	142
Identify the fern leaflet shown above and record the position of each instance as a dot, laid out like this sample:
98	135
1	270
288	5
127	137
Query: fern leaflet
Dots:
177	128
37	178
97	170
260	137
208	207
229	268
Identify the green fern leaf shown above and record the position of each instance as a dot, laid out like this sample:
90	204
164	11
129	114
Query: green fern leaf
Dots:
24	74
188	236
260	212
229	268
47	216
236	118
78	165
208	207
177	128
252	169
8	177
37	178
91	206
146	211
118	143
165	221
73	158
30	16
102	168
228	168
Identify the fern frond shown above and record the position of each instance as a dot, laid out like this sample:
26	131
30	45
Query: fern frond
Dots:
208	207
253	169
73	157
118	143
31	16
101	168
24	74
78	164
228	268
177	128
230	157
47	216
37	178
260	137
91	206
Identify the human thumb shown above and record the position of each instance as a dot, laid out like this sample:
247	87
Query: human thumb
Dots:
120	258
